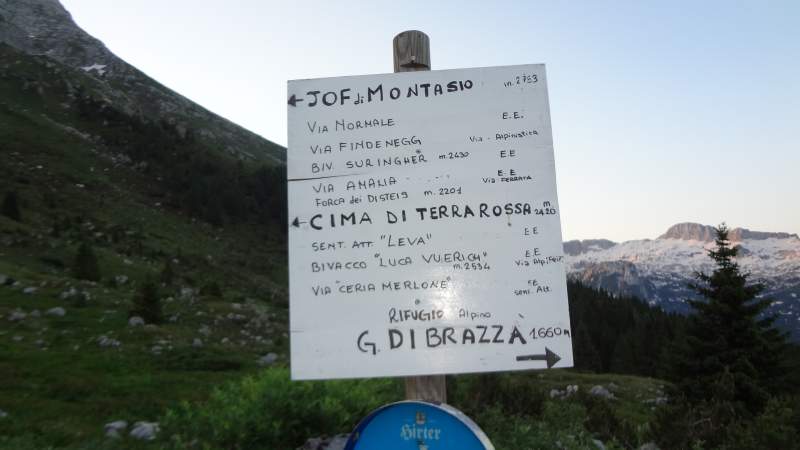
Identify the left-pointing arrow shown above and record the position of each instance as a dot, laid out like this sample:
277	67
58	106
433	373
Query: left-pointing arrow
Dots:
296	222
293	100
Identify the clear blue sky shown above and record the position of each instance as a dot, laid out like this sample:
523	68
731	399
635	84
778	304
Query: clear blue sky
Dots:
663	112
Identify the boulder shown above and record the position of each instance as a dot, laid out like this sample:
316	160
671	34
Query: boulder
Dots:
332	443
649	446
658	401
29	290
239	318
114	429
570	390
135	321
105	341
197	343
145	431
69	293
16	316
57	311
3	414
600	391
267	359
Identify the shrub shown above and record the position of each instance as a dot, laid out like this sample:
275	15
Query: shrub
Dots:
81	299
147	303
517	393
603	421
776	427
211	289
86	267
167	272
271	411
561	426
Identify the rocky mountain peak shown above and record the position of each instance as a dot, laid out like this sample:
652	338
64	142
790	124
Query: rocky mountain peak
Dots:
689	231
577	247
696	232
740	234
46	28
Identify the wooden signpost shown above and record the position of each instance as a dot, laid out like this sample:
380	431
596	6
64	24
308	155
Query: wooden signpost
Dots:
412	52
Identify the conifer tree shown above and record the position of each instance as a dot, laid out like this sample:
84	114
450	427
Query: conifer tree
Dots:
147	303
585	353
731	347
11	207
627	352
86	267
167	272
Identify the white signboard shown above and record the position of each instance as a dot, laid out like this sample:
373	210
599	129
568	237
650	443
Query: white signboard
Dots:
424	232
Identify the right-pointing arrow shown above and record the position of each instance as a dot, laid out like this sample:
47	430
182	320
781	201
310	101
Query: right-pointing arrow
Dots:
548	356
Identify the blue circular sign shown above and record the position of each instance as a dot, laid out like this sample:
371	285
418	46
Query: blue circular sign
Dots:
413	425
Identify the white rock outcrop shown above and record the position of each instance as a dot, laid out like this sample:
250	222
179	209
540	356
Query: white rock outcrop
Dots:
57	311
114	429
145	431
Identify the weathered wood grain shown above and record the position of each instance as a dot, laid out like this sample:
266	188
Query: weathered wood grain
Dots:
412	52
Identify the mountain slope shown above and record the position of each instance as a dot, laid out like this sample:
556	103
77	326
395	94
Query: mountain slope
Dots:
659	270
44	27
81	171
83	161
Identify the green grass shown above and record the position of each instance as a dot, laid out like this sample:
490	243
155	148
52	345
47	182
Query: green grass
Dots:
65	388
268	411
505	401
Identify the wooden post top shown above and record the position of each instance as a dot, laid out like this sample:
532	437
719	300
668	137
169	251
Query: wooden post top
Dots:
412	51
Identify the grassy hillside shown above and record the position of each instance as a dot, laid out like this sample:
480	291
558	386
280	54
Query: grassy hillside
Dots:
77	179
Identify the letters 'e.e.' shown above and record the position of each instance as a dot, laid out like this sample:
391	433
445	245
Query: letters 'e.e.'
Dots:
424	231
